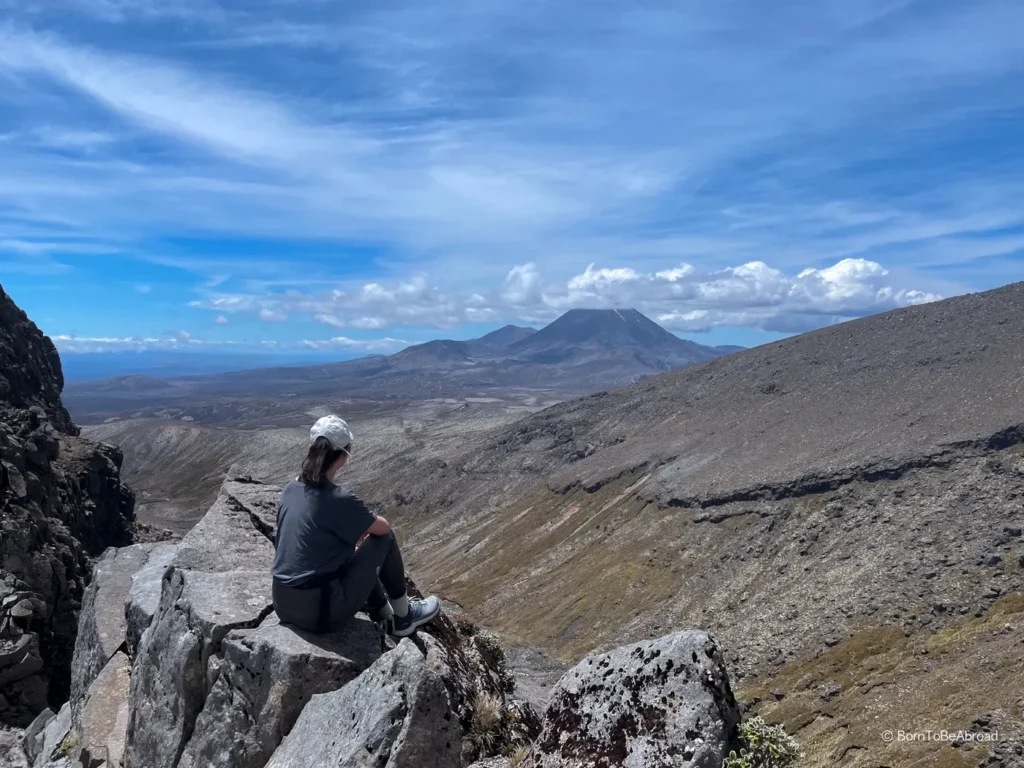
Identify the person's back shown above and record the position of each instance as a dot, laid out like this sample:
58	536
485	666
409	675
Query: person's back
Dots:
332	554
318	528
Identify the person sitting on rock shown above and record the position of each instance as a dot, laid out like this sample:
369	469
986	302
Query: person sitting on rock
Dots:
332	554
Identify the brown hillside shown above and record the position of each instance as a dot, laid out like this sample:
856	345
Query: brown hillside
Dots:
864	478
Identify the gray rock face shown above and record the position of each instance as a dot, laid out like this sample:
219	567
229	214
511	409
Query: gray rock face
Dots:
267	675
144	594
102	716
395	715
102	626
12	755
234	535
172	671
45	736
659	704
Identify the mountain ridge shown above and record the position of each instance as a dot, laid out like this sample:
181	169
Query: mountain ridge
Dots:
579	352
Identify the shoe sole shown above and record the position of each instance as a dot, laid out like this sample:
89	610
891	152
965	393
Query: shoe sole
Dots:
415	625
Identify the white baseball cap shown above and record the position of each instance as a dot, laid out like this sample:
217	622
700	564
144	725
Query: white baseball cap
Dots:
335	429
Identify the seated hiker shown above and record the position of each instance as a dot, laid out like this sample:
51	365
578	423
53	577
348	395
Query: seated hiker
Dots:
333	555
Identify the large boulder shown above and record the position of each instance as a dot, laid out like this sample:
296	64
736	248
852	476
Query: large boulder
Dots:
666	703
175	666
395	715
266	677
233	535
63	503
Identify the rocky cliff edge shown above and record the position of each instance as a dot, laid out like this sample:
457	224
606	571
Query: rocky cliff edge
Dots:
181	663
61	504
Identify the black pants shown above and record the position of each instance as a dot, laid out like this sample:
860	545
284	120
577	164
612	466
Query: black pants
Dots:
375	573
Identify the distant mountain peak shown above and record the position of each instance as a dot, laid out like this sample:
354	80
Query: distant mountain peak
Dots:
507	335
580	332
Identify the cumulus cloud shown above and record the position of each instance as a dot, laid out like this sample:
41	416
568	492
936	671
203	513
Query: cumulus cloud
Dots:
683	298
220	320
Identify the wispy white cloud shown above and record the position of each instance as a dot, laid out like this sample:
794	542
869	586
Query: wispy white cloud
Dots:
182	341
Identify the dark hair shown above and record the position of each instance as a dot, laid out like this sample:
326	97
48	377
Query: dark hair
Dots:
321	457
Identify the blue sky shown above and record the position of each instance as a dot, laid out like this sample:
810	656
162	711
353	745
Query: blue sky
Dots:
349	177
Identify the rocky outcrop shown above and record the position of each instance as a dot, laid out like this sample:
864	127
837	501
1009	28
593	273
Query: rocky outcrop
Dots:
660	704
62	503
30	370
268	676
181	663
480	687
102	628
396	714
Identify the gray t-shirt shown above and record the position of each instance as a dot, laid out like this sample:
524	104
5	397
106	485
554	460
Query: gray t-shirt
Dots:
317	530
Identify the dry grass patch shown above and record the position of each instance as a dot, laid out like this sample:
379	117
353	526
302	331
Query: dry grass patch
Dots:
839	704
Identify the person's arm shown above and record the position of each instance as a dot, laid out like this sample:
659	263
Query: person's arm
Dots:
353	520
380	527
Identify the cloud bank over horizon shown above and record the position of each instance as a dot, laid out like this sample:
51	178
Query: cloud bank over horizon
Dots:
681	298
348	175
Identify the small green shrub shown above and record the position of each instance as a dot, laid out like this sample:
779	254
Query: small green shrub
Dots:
764	746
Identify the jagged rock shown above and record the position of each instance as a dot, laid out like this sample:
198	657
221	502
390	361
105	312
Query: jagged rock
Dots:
102	721
144	594
62	502
474	670
46	735
666	703
30	372
259	499
266	677
394	715
171	673
33	736
493	762
227	538
102	626
12	755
